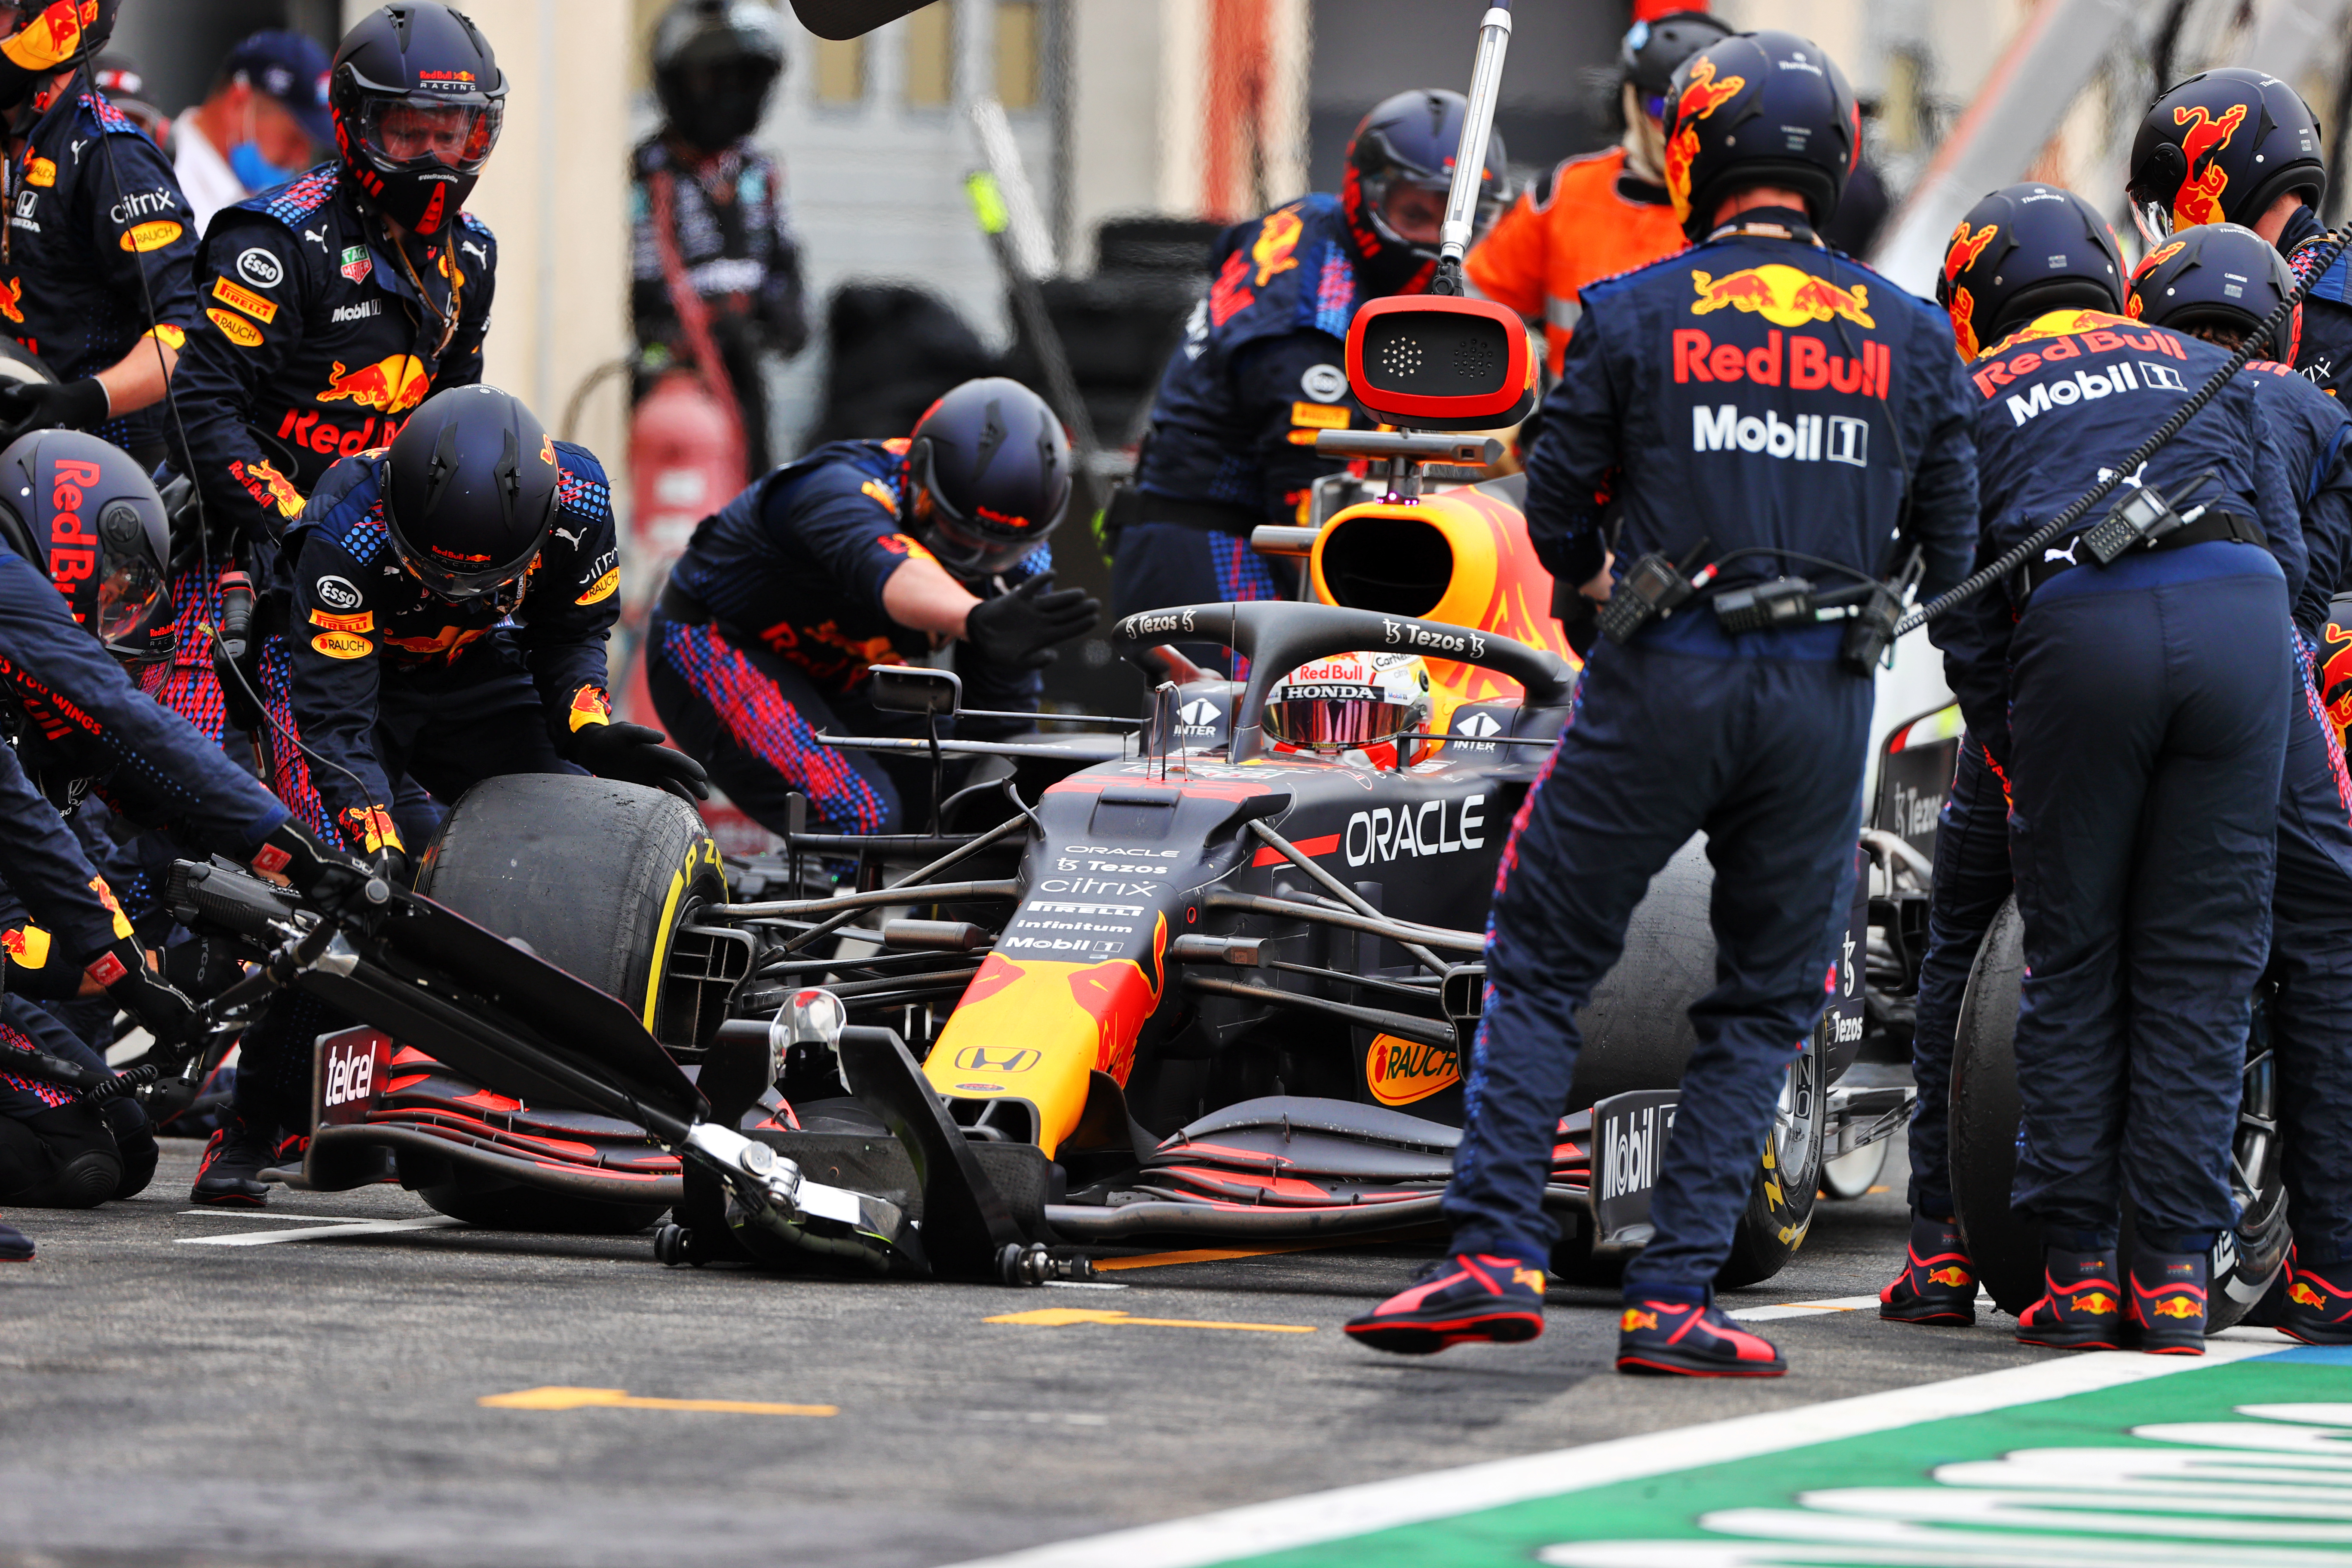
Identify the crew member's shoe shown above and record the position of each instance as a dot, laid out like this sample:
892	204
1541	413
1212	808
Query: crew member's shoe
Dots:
2168	1301
230	1176
1457	1300
1687	1338
2081	1307
15	1247
2318	1305
1938	1284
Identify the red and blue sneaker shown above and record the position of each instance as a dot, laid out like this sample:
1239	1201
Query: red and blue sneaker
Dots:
1938	1284
2168	1301
15	1247
1456	1301
1689	1338
2081	1307
2317	1308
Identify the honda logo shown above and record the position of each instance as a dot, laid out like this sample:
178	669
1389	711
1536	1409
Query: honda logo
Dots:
981	1059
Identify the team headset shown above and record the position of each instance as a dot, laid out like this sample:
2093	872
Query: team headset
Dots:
220	633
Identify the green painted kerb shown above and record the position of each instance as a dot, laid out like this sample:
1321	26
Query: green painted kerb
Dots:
2174	1471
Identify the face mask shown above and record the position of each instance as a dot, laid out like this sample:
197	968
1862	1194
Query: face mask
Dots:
254	172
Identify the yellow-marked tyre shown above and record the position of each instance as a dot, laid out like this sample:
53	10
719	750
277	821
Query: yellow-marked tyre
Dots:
1780	1208
597	876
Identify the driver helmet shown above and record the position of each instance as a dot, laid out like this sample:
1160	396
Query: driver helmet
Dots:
1367	708
85	514
994	464
715	65
46	39
1403	154
470	488
417	98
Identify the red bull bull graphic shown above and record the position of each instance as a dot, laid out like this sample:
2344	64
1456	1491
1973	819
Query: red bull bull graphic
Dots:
1271	250
12	301
2303	1295
2097	1303
2177	1306
590	706
1958	257
268	486
2199	198
392	385
51	38
1635	1318
1953	1274
1701	97
1785	296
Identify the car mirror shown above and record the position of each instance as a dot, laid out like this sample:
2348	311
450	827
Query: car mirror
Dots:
1440	363
911	688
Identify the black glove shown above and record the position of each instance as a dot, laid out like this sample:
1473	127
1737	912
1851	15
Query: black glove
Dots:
160	1006
203	966
326	877
50	405
1019	630
634	754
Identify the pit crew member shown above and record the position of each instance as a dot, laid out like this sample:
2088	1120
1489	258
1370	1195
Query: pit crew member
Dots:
95	255
2141	714
1600	213
1260	370
1756	739
445	603
866	552
708	214
330	308
2238	146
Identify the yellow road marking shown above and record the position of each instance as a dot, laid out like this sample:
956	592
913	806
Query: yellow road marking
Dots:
1062	1317
558	1398
1206	1255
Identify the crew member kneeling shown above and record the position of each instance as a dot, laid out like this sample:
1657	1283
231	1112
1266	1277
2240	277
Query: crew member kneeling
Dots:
866	552
1860	411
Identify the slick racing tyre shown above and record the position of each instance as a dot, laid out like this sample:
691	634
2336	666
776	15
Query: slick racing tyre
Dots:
1787	1180
597	876
1984	1134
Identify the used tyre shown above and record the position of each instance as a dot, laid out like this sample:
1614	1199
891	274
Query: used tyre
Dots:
1984	1135
597	876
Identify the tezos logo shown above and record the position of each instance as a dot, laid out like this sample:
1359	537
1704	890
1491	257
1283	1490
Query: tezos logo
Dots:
1324	382
337	593
260	268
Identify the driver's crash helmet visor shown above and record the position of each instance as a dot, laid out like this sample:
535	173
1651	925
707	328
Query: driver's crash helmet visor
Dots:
1384	195
1336	716
134	600
398	132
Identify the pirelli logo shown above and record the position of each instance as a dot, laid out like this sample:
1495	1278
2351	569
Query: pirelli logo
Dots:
252	305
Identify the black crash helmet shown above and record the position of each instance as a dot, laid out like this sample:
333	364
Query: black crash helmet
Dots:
2022	250
1652	51
83	513
417	98
996	464
46	38
2217	275
2222	147
469	489
715	64
1758	108
1409	142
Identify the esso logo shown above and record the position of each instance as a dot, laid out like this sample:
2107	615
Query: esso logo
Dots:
337	594
260	268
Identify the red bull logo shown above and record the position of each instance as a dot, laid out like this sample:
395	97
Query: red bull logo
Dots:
1635	1318
1276	239
1785	296
1954	1275
268	486
50	39
2199	198
1701	97
1530	1278
12	301
2299	1293
370	827
2177	1306
392	385
2097	1303
590	706
1958	257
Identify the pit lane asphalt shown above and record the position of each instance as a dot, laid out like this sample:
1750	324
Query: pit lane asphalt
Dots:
163	1403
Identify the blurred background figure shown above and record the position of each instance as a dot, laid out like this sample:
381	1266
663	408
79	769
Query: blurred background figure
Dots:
264	122
125	86
715	270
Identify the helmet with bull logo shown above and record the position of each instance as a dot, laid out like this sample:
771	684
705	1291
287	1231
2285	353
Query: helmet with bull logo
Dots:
46	39
417	98
85	514
469	489
1758	109
2022	250
2217	275
2222	147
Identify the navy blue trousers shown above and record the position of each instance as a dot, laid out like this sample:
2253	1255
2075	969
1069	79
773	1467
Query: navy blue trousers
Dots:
2311	960
1163	564
2149	722
1972	881
1766	758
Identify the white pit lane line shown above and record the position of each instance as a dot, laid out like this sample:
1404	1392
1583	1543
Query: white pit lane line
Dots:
1802	1309
1261	1528
327	1231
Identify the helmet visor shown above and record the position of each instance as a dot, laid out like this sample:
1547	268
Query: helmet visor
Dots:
2154	221
1337	717
133	601
1411	211
402	133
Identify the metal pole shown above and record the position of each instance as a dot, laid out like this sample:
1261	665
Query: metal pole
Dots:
1470	158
